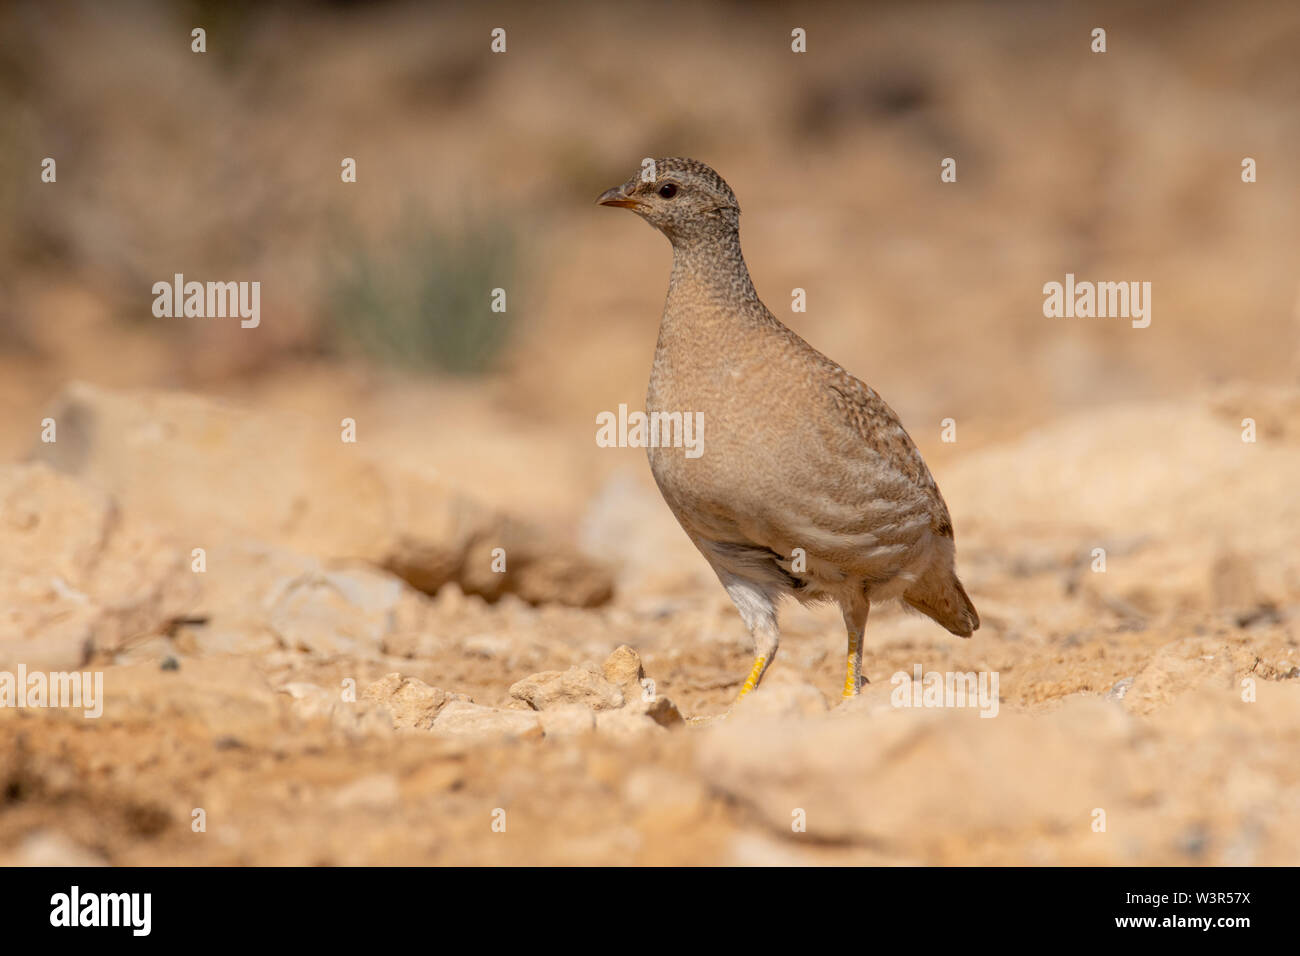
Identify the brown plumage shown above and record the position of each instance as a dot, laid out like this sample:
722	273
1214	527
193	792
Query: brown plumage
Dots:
808	484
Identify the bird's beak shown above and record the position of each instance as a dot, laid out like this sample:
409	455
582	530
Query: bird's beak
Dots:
616	197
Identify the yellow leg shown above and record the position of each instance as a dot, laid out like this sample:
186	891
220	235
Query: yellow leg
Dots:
853	670
755	675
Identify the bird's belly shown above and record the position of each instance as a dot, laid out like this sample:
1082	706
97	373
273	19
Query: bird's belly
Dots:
709	495
761	492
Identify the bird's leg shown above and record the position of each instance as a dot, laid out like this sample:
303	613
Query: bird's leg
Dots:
855	622
766	640
758	611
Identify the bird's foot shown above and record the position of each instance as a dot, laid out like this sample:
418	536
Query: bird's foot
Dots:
853	679
755	675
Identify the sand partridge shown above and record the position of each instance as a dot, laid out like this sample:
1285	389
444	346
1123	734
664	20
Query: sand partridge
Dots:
807	484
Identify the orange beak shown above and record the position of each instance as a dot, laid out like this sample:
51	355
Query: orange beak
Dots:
616	197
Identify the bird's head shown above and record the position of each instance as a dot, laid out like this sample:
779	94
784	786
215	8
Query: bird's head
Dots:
682	198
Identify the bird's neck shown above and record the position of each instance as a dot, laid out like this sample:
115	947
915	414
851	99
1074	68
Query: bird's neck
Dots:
710	269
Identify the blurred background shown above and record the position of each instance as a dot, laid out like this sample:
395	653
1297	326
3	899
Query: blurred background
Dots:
478	171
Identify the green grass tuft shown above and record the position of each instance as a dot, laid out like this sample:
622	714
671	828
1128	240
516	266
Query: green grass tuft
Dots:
423	298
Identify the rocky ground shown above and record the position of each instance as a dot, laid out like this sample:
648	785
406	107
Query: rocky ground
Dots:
343	679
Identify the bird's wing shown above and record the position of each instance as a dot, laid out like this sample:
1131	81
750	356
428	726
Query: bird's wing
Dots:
878	428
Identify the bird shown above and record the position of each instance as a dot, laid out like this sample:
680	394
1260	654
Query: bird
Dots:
806	484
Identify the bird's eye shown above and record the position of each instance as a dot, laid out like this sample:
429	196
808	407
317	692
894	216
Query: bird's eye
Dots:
668	190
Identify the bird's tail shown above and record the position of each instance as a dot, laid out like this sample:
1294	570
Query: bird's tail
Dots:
948	603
